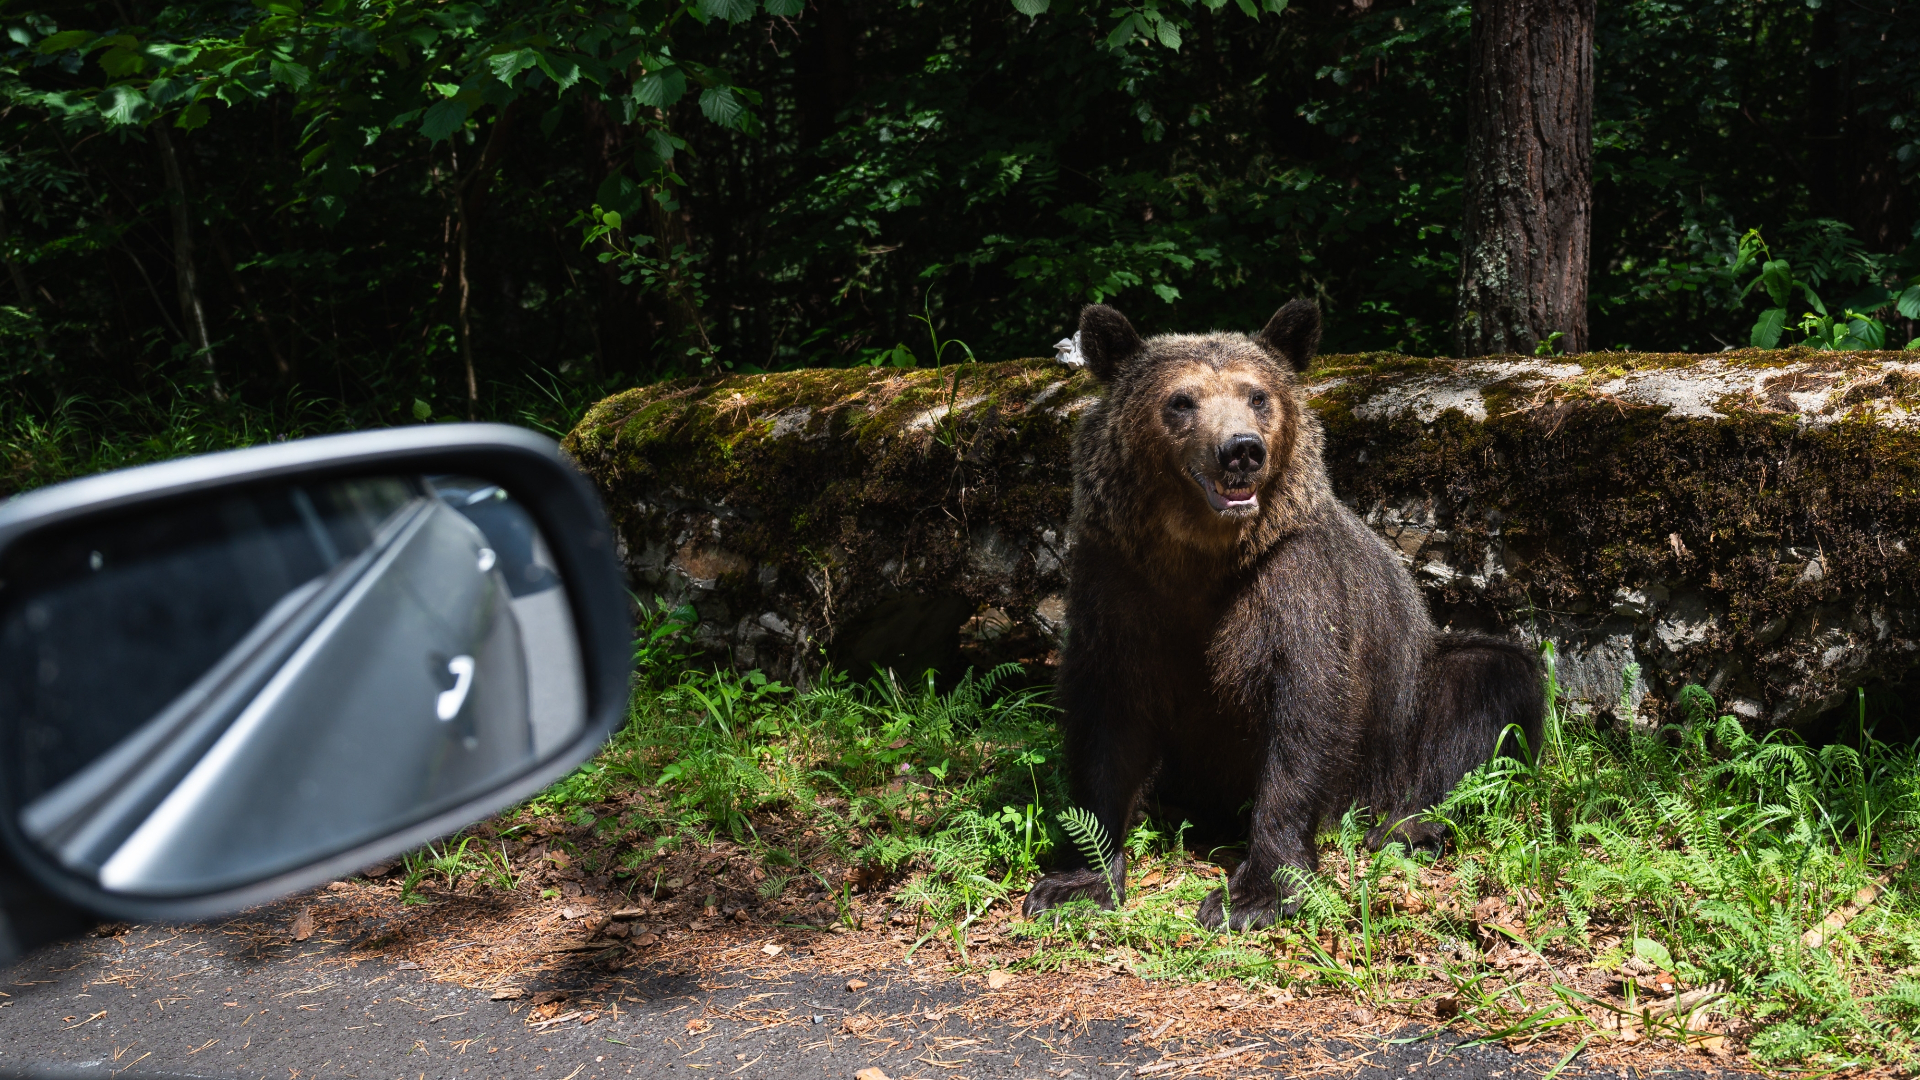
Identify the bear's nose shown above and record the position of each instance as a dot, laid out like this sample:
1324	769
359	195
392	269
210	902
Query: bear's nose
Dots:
1243	453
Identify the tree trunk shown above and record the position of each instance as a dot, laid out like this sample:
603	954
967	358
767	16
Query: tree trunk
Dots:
1529	184
469	195
193	312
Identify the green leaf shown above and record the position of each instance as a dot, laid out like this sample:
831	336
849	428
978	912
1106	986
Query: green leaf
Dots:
1777	278
1767	331
1274	6
1653	953
193	116
731	10
661	88
563	71
443	119
507	66
1864	332
1909	303
786	9
120	63
1169	34
121	104
1032	8
422	411
721	106
1166	292
64	40
293	76
1247	7
1123	33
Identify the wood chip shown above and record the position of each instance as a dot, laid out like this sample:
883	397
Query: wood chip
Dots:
629	913
772	949
856	984
1175	1063
870	1073
999	979
511	993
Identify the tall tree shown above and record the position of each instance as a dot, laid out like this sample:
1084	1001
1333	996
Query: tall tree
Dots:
1529	181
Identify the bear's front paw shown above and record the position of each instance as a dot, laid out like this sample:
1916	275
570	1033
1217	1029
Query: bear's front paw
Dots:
1056	889
1418	837
1248	909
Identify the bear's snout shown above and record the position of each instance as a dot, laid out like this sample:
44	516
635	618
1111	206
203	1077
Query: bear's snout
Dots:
1243	453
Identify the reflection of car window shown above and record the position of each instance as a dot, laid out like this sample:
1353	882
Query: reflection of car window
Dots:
157	598
509	529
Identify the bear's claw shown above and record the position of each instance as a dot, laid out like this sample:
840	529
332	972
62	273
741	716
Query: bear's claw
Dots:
1056	889
1418	837
1247	911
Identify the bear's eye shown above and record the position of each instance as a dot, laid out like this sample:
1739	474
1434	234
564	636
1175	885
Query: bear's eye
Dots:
1257	399
1181	402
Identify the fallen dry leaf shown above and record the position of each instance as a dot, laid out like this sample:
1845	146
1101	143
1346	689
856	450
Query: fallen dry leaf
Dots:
303	925
870	1074
771	949
698	1024
999	979
856	984
859	1024
560	859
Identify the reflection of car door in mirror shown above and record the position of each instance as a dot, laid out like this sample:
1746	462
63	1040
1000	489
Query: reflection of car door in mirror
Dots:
240	773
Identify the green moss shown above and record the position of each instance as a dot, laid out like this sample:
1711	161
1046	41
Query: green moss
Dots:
870	481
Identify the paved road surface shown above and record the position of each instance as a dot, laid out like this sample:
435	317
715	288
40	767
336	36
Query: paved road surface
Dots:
204	1003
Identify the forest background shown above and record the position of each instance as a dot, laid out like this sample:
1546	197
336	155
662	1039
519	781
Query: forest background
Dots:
230	221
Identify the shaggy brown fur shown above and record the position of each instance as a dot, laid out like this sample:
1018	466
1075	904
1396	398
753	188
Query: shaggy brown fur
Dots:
1237	636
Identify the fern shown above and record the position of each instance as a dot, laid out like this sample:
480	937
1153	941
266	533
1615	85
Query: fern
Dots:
1629	682
1090	837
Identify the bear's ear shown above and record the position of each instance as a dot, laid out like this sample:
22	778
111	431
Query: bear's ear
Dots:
1107	340
1293	333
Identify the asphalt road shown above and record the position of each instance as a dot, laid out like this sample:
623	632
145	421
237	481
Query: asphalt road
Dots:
211	1004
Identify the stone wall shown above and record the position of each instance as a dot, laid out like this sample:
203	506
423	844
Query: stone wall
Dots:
1744	520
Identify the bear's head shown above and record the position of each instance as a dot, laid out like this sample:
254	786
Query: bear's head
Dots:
1203	435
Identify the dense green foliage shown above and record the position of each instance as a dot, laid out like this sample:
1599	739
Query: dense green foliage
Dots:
792	184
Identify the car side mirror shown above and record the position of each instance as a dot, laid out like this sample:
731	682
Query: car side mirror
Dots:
230	677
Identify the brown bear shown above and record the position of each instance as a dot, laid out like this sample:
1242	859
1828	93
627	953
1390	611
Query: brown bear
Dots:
1237	637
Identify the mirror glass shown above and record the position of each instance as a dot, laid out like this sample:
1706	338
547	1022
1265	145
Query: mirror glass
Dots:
206	692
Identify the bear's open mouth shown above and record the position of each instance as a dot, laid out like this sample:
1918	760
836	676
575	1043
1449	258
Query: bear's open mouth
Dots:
1233	495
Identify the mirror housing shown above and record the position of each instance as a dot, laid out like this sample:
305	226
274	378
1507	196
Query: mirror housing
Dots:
434	533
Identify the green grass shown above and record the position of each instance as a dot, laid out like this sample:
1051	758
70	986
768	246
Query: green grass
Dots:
1702	855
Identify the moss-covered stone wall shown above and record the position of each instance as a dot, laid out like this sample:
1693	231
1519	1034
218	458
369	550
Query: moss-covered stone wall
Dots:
1746	520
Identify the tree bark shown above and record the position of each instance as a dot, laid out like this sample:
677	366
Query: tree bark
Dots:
469	194
1529	183
193	312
